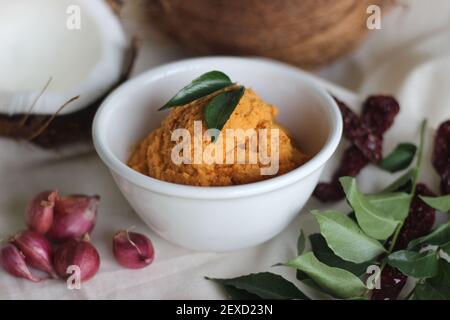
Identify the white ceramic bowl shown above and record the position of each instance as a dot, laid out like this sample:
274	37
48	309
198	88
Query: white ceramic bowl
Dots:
218	218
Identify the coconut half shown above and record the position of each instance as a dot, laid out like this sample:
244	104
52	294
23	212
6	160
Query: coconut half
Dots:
69	47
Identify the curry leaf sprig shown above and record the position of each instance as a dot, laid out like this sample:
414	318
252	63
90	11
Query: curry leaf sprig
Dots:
214	87
348	248
400	158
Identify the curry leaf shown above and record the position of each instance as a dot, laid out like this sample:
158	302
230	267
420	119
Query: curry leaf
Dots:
443	276
202	86
310	283
234	293
265	285
439	236
346	239
402	184
326	255
415	264
337	282
440	203
301	243
400	158
359	298
446	248
396	204
220	108
373	221
431	291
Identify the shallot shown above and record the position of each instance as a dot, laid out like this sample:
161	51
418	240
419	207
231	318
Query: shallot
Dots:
36	249
13	261
79	253
39	214
74	217
133	250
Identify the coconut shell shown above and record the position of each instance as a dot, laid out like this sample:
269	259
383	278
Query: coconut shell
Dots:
55	131
307	33
62	129
116	5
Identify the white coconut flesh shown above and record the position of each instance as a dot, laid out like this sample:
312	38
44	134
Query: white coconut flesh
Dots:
36	45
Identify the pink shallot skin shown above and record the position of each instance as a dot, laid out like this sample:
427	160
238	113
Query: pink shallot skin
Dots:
133	250
39	213
80	253
36	249
13	261
74	216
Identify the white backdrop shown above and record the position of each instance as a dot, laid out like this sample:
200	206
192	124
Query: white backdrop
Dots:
409	57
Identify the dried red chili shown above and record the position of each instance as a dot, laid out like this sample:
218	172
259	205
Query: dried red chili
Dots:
420	219
379	113
360	134
419	223
392	283
441	151
352	162
445	181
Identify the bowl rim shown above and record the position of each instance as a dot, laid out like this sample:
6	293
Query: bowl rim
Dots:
216	192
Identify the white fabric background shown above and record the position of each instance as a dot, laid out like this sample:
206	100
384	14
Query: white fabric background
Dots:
409	57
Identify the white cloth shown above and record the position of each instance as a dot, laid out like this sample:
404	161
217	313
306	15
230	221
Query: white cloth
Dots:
409	57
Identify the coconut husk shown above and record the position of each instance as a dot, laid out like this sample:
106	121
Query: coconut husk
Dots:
307	33
116	5
55	131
